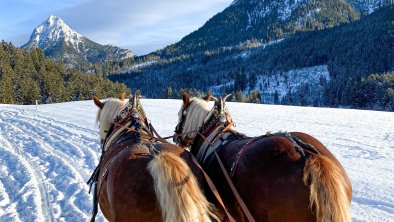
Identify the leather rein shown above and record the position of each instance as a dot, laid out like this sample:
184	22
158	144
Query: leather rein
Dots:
229	123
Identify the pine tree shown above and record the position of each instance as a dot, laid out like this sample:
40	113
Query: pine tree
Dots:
7	93
169	93
239	96
276	97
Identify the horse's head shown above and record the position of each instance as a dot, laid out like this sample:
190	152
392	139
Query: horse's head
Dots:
220	110
191	116
194	113
107	112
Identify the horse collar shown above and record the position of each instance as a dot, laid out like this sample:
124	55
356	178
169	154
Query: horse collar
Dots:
210	134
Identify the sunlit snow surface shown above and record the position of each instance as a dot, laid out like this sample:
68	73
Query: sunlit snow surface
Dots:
46	156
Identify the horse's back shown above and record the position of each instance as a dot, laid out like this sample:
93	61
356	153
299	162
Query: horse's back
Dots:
269	176
129	186
128	181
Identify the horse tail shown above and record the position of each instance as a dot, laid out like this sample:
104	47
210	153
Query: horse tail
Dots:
329	186
177	190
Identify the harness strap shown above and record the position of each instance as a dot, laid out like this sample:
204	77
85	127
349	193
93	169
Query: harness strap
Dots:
234	190
95	202
105	173
137	131
92	182
239	155
213	189
154	131
298	144
227	128
180	134
304	145
224	171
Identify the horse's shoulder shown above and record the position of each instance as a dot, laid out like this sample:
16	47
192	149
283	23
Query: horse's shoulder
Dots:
168	147
307	138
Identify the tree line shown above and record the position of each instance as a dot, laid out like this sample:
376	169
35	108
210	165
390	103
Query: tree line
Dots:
352	52
27	76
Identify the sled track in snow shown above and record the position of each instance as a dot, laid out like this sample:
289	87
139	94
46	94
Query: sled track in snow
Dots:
45	203
61	150
58	141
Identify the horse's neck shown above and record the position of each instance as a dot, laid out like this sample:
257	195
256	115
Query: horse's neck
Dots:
142	132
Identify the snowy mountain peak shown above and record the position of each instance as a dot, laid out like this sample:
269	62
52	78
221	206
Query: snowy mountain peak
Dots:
53	30
54	19
59	41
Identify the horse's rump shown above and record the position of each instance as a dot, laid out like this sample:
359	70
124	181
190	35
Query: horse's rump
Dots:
270	177
127	184
162	182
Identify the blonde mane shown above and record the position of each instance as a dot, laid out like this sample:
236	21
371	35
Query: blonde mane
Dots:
107	114
198	111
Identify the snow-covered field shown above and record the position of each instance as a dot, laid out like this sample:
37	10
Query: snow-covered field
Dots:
46	156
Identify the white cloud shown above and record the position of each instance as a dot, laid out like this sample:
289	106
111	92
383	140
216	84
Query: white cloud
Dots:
125	22
132	23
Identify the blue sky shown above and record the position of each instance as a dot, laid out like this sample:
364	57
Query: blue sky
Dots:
140	25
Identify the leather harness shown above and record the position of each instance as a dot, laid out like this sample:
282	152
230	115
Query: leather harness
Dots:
118	130
222	136
216	134
117	134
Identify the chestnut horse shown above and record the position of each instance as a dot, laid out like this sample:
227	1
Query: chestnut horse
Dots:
279	177
140	179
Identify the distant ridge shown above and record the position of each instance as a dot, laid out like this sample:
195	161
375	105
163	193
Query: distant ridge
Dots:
59	41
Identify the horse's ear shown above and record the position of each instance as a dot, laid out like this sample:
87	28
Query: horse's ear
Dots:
186	98
122	96
208	97
99	104
226	97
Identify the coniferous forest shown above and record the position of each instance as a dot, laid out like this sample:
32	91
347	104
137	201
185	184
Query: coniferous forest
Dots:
27	76
356	48
359	57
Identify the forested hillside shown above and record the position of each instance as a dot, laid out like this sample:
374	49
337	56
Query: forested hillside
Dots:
247	22
26	76
351	52
263	21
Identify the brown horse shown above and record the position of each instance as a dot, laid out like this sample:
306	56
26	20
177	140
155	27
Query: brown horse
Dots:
140	179
280	177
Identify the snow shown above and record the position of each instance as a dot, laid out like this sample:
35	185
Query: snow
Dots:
53	30
282	82
290	81
253	47
282	9
46	156
139	66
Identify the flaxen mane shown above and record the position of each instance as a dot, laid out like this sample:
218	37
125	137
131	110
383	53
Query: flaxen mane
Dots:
106	115
199	109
